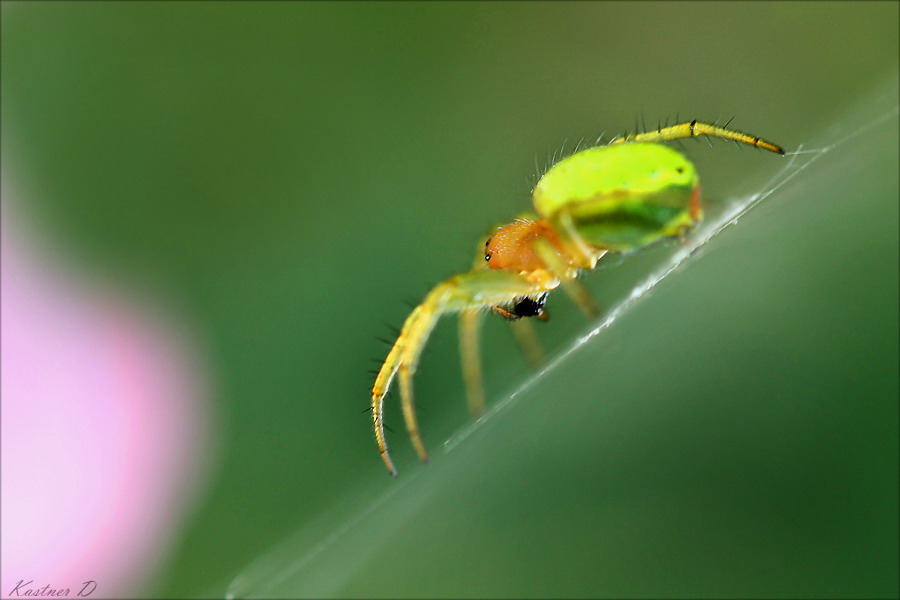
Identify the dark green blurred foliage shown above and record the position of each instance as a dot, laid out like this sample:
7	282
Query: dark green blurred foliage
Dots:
289	173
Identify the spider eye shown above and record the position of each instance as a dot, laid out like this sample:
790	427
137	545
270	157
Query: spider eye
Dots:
487	256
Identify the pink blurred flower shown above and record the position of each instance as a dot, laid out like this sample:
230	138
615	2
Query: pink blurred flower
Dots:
104	424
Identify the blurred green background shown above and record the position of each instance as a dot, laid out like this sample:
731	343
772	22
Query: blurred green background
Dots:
288	174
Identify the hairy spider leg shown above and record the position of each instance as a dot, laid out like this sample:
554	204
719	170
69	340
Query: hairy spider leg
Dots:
467	290
695	128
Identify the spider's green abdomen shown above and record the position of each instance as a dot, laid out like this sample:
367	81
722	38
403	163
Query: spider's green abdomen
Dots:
622	196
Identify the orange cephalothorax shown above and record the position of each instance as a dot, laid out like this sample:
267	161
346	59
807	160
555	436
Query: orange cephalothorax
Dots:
512	247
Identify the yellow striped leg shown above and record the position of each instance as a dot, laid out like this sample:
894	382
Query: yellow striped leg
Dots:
695	128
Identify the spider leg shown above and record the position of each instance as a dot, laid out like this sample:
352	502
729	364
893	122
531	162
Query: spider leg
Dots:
523	330
580	296
695	128
483	288
567	274
469	333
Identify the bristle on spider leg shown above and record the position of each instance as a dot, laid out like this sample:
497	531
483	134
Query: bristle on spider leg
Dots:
393	328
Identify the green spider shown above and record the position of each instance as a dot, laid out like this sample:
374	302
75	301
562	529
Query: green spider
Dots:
614	198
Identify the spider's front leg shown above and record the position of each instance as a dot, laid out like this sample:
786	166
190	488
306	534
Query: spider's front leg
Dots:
694	128
475	289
